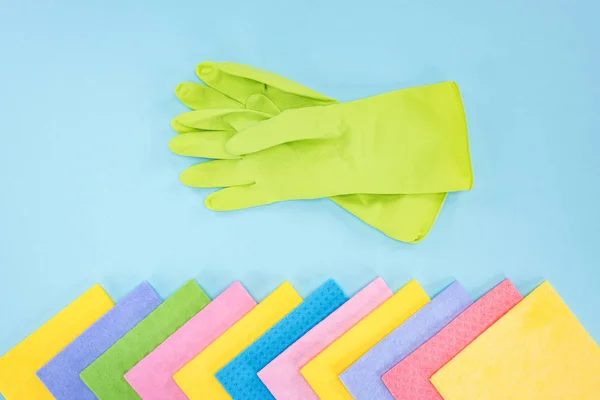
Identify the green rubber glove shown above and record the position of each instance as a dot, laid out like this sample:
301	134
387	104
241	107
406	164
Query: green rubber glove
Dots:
404	217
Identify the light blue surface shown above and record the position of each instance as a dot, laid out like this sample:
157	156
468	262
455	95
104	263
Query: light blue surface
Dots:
89	190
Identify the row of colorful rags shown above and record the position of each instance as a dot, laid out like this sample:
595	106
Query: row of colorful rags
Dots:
374	345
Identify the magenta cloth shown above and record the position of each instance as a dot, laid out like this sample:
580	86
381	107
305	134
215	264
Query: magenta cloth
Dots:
152	378
409	379
61	374
282	375
363	378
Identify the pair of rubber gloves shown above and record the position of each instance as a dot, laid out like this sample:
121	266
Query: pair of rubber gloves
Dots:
390	159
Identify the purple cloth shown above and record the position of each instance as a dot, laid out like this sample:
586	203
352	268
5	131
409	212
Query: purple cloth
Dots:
61	374
363	378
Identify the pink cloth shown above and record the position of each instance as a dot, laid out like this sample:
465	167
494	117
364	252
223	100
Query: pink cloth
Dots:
152	378
409	379
282	375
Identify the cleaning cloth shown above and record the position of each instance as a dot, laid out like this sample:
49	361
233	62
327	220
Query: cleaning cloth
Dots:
363	378
240	378
537	351
323	370
61	374
282	375
18	367
409	379
105	376
197	378
152	378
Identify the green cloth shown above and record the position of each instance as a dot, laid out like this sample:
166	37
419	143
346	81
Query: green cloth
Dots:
239	96
105	376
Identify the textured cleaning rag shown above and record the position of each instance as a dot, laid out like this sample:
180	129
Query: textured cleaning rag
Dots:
239	377
363	378
197	378
409	379
18	367
282	375
106	375
323	370
537	351
61	374
152	378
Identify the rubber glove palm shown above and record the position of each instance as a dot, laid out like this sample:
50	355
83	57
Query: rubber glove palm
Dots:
236	87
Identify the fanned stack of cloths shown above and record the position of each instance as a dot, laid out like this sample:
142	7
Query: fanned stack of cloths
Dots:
374	345
390	159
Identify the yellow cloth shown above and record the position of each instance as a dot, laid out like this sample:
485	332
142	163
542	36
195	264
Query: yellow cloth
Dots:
537	351
18	367
197	378
323	370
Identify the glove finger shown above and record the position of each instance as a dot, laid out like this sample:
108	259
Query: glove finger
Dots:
283	129
260	102
215	174
200	97
237	198
205	144
270	79
240	82
220	119
181	129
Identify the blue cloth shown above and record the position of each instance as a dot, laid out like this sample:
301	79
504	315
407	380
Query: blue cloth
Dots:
240	378
61	374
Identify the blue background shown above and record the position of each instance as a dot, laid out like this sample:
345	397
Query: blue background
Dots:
89	190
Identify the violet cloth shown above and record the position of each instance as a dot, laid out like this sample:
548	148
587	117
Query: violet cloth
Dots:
61	374
363	378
